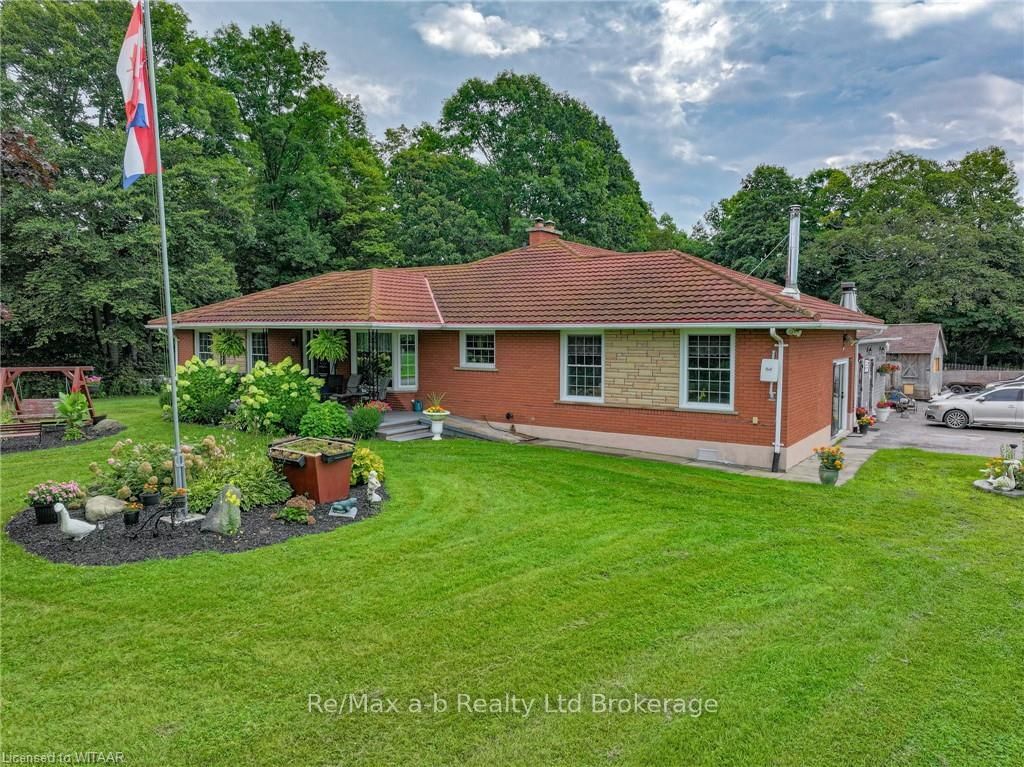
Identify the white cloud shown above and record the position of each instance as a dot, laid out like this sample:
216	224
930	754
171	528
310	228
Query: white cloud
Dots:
376	97
464	29
898	20
691	61
688	152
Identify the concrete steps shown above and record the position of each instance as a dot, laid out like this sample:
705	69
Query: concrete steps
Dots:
403	427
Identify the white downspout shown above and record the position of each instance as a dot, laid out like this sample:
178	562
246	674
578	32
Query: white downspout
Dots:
777	445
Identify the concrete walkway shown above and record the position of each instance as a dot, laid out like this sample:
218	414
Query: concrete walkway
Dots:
805	471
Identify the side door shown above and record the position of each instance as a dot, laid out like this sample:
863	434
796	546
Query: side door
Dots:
999	408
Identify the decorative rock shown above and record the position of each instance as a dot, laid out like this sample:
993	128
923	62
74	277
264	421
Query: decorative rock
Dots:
225	516
106	427
103	507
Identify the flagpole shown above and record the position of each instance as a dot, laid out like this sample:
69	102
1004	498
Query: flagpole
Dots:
179	458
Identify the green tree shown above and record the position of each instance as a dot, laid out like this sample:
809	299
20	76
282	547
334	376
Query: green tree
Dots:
321	189
550	155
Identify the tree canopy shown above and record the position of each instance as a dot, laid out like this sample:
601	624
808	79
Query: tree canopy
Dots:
272	175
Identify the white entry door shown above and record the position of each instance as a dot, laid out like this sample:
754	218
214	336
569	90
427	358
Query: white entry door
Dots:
840	395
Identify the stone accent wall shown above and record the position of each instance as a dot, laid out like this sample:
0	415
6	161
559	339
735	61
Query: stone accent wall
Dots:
641	368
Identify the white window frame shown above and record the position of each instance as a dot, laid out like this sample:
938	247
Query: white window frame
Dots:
462	349
248	346
684	370
564	366
396	356
195	344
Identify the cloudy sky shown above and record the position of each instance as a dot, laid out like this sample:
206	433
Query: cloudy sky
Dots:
698	93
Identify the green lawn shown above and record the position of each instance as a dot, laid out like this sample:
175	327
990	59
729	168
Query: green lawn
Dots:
877	623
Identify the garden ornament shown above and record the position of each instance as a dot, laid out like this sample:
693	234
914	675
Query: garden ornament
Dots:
372	486
72	528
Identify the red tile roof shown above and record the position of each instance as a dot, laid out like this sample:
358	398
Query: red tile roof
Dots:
556	282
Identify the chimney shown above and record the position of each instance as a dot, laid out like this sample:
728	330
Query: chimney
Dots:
543	231
793	264
849	299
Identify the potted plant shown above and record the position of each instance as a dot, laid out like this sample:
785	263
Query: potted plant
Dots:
131	512
227	343
43	496
830	461
888	367
884	410
437	414
328	346
92	383
318	467
150	495
864	423
179	501
73	410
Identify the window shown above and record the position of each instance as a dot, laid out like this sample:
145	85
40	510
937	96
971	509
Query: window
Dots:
707	376
477	349
407	360
1004	395
204	346
259	348
583	367
394	355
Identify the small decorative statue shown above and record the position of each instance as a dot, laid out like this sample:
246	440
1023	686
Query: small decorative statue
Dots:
372	486
75	529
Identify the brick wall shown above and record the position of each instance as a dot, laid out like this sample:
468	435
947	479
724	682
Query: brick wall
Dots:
186	344
641	367
526	384
807	382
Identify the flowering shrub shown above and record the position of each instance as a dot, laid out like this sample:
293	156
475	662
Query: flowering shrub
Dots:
325	419
378	404
830	457
364	461
275	397
205	390
49	493
94	380
253	473
133	465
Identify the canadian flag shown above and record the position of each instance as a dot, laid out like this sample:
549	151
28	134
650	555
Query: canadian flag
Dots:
140	149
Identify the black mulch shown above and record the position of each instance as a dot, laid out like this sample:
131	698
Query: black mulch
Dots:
52	436
114	545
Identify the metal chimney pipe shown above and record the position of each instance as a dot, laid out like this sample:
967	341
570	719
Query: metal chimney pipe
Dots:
793	264
849	297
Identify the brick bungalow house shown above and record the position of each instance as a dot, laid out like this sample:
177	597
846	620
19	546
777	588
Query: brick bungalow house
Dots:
660	351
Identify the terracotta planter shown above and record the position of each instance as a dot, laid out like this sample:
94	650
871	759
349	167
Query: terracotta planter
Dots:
45	515
323	476
828	476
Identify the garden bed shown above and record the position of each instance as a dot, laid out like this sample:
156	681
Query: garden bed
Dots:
114	546
52	436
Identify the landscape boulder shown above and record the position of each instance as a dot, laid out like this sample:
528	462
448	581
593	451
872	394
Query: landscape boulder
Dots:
103	507
106	427
225	516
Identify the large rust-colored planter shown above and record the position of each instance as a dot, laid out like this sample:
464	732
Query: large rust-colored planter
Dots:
316	467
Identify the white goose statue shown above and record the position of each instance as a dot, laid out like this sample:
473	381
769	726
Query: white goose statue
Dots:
72	528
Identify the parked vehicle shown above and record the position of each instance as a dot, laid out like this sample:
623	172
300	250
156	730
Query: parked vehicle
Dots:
993	407
953	394
996	384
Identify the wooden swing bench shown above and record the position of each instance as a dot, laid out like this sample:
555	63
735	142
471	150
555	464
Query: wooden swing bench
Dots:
30	415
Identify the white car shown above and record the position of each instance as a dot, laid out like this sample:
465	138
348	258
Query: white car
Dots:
992	407
1007	382
948	394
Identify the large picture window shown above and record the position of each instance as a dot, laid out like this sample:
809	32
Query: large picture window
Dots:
478	349
583	367
708	362
392	354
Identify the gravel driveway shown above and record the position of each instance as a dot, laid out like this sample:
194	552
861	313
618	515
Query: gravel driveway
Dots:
914	431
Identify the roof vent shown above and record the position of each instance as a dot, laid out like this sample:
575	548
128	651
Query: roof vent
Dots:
543	231
849	298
